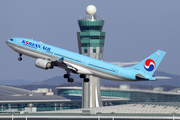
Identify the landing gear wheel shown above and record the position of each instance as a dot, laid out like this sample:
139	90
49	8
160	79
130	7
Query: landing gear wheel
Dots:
86	79
19	58
70	80
66	76
82	76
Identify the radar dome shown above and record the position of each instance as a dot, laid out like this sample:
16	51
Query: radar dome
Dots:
91	9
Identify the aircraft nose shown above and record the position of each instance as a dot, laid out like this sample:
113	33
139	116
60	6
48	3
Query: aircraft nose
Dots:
7	42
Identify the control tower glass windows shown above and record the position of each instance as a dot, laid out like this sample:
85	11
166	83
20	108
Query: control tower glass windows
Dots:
92	33
92	45
89	25
92	41
92	37
91	28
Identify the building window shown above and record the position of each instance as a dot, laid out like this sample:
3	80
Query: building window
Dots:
94	50
85	50
101	50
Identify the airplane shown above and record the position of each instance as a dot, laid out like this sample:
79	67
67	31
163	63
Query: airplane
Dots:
48	57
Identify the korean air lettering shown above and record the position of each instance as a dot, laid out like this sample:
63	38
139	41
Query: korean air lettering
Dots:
35	45
46	48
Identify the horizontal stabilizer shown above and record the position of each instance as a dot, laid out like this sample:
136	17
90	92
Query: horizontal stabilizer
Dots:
140	77
162	77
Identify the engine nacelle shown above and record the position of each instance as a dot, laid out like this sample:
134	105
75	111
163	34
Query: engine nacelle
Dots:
44	64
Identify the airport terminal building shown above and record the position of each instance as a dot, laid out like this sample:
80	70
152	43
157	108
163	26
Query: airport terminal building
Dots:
119	103
126	95
71	98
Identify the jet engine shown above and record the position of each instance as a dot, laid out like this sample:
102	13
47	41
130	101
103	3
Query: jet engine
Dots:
43	64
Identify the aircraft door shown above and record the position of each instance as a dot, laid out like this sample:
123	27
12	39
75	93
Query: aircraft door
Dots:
18	42
121	72
86	63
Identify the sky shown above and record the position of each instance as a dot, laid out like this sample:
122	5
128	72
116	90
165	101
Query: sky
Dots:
134	30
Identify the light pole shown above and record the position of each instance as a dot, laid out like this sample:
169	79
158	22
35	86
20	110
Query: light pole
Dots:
113	115
12	115
98	113
26	114
173	115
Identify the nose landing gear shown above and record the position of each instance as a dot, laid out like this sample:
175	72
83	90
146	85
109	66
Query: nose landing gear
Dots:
20	57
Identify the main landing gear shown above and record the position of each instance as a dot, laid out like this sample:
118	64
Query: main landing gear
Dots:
68	76
69	79
20	57
84	77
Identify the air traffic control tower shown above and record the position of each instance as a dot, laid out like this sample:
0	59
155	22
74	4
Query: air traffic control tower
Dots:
91	43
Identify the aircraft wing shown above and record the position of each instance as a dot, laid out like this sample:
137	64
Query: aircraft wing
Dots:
77	69
71	67
124	63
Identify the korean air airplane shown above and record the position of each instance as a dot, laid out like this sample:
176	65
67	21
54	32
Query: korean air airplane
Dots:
48	56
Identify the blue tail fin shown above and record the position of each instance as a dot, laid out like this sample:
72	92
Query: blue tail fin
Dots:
149	65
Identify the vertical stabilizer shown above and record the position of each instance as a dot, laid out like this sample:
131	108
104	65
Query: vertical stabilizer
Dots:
149	65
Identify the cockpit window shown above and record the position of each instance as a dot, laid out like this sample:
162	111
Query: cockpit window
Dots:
11	39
